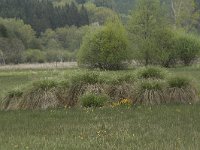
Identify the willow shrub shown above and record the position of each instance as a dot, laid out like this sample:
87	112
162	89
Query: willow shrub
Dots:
188	47
106	48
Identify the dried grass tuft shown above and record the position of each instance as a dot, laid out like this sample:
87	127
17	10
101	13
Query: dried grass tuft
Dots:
181	90
150	92
121	91
11	101
40	95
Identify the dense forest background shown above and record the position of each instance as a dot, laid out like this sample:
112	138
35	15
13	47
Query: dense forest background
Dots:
52	30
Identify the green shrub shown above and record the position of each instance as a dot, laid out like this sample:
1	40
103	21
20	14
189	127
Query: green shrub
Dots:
105	49
54	55
60	55
93	100
151	73
166	54
33	56
69	56
188	47
12	49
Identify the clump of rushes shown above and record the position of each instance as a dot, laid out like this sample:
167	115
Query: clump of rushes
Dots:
150	92
41	94
86	78
12	99
181	91
44	94
44	84
79	84
178	82
151	73
128	78
93	100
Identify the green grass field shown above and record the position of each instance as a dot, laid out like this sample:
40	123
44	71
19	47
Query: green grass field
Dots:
171	127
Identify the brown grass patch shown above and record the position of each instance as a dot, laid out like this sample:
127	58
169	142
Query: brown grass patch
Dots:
185	95
120	91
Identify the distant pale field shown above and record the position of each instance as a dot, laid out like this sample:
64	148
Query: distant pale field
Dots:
39	66
170	127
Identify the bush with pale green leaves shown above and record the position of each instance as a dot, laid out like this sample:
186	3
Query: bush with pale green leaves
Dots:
106	48
188	47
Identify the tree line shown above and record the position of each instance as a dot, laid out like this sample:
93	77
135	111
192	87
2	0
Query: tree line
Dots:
156	36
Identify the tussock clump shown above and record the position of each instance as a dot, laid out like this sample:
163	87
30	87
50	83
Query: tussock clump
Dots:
151	73
42	95
178	82
147	87
44	84
120	91
116	78
127	78
150	92
181	91
86	78
11	101
79	84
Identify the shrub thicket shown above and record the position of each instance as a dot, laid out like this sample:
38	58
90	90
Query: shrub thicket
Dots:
105	49
188	47
166	53
34	56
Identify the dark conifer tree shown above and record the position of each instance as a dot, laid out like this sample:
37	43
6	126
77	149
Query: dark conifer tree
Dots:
41	14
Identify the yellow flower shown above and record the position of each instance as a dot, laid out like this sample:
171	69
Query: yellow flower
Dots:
123	102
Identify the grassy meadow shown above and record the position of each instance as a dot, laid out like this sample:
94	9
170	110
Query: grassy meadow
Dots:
166	127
